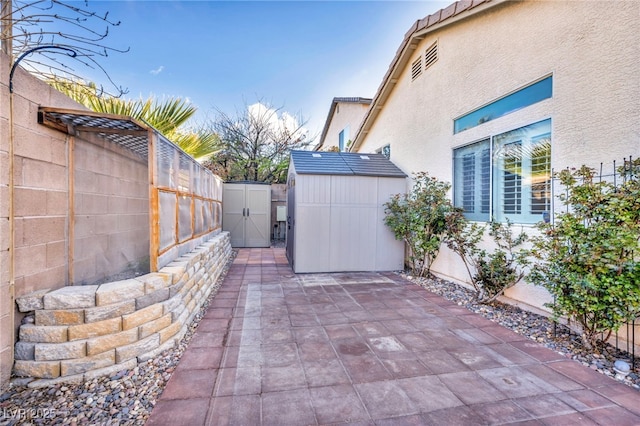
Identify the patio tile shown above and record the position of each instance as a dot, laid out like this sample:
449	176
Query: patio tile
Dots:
310	333
501	412
470	388
454	416
325	372
540	406
621	394
475	358
428	393
379	350
513	381
339	403
475	336
303	320
241	409
371	329
365	368
279	355
340	331
552	377
287	408
507	355
311	351
413	420
440	362
214	324
206	340
536	350
283	378
385	399
584	399
188	384
576	371
402	368
170	412
247	381
569	420
613	416
277	335
217	313
200	358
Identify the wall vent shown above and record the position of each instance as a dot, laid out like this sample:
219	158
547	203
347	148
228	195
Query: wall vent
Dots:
431	55
416	68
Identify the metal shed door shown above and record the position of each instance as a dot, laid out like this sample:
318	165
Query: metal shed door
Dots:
247	214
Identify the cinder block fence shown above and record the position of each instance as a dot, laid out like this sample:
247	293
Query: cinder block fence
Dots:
82	332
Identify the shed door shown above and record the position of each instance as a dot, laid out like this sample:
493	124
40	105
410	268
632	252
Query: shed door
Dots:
247	214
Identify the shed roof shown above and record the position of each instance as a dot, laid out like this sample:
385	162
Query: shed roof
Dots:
344	163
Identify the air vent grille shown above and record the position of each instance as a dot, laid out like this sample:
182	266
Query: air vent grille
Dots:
416	68
431	55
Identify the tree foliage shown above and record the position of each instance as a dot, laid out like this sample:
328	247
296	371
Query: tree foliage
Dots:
589	259
418	218
256	143
64	26
168	116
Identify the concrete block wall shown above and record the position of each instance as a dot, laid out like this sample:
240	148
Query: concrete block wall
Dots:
111	212
82	332
40	199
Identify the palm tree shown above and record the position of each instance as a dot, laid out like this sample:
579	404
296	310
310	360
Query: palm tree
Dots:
166	116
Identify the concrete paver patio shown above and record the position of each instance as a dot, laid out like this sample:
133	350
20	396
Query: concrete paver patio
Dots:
275	348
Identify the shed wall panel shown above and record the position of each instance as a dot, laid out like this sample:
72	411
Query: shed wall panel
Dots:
313	240
353	238
389	252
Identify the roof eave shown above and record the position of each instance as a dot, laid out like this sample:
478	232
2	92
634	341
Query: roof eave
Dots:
332	110
418	31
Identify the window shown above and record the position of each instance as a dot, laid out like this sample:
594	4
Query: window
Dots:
529	95
385	150
343	139
507	176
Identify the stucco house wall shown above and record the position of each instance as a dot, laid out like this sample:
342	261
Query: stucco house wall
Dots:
589	48
345	115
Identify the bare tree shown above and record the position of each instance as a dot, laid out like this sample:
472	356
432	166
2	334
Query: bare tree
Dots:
256	143
43	34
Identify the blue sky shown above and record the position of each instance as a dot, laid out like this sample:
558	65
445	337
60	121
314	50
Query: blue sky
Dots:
297	55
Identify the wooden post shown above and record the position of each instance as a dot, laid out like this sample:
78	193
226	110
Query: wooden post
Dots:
154	209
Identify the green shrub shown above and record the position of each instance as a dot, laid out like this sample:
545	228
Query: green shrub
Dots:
491	273
589	259
418	218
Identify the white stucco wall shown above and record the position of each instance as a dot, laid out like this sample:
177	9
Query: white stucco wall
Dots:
590	48
347	114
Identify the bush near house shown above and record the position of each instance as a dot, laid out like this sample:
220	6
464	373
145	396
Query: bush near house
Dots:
491	273
418	218
589	259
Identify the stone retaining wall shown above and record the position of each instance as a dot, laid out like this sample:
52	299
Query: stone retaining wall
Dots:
81	332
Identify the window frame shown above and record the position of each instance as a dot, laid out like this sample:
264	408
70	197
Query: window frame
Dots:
536	133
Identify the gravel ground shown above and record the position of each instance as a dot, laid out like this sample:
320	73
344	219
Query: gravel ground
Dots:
125	398
128	397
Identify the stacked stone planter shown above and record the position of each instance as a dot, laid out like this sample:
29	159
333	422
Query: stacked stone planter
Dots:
82	332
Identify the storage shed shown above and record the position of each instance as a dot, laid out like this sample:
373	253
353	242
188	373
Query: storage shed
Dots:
335	212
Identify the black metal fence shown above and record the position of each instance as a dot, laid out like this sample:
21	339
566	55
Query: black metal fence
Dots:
616	173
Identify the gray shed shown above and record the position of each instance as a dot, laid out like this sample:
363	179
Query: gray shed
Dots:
335	212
